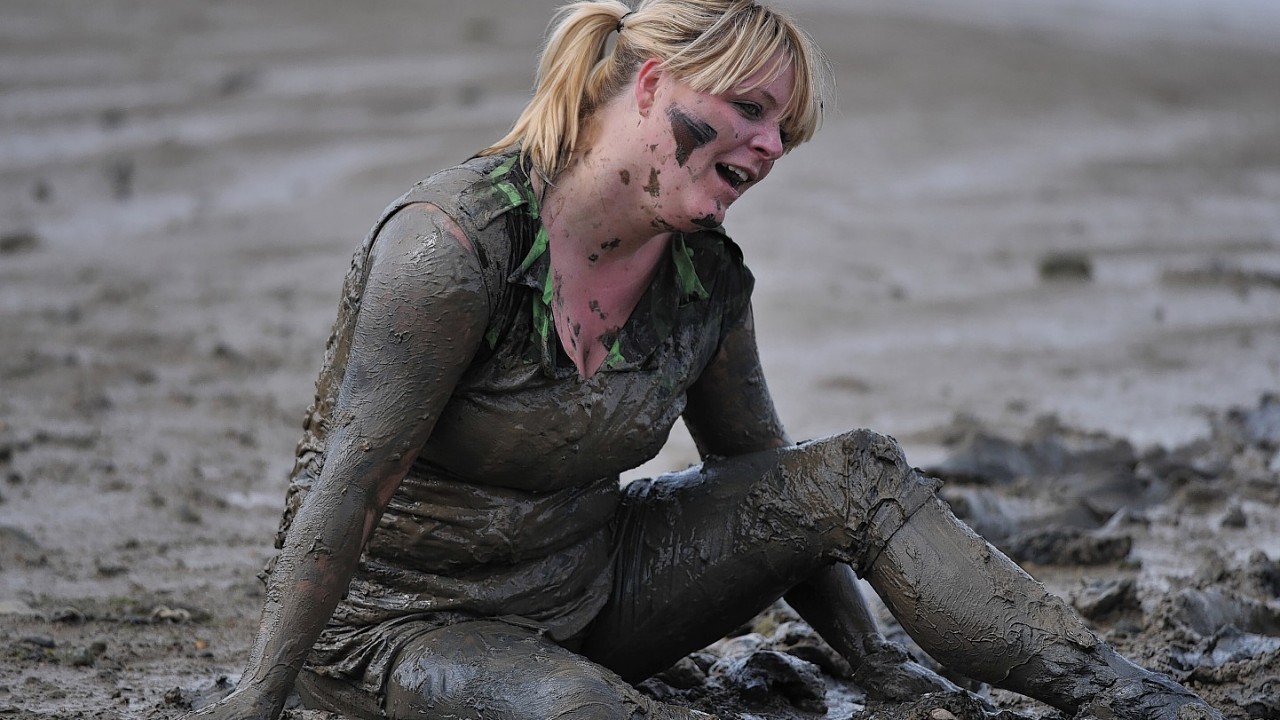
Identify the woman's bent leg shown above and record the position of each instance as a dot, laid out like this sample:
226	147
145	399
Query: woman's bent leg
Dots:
832	603
701	551
491	670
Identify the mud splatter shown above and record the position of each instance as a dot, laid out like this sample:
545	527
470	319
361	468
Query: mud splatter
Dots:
690	133
593	257
595	308
611	245
625	176
653	188
707	221
661	225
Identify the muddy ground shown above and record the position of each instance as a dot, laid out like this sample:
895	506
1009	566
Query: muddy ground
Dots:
1039	243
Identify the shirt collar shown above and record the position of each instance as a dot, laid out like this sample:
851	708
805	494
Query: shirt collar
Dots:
675	284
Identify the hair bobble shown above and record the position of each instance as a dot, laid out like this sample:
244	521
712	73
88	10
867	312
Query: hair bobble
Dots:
623	19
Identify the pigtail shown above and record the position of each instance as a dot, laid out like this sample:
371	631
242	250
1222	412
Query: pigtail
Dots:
574	76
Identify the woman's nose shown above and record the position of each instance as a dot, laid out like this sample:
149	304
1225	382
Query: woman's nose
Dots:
768	142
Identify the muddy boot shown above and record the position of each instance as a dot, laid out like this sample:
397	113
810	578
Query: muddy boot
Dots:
977	612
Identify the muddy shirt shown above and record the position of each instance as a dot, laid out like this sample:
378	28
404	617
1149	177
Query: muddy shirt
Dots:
506	511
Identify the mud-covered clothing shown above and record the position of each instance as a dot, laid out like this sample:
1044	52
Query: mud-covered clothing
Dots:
508	558
697	553
507	510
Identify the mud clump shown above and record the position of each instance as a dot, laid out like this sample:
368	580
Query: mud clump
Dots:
1066	266
1060	496
1068	546
935	706
766	674
1224	636
1104	598
776	665
22	241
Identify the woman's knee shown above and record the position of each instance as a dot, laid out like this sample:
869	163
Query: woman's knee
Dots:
860	480
493	671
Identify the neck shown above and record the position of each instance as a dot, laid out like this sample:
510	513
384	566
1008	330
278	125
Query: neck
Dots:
599	204
603	253
591	211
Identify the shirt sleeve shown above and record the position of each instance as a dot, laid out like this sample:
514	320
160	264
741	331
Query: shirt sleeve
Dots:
729	410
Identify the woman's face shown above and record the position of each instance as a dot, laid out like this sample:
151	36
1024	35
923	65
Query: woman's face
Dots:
704	151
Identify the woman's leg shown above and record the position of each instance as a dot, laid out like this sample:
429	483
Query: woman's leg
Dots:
978	612
832	603
701	551
491	670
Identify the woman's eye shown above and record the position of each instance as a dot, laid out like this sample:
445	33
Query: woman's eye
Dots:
749	109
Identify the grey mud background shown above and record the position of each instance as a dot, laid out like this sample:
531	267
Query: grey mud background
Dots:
1021	210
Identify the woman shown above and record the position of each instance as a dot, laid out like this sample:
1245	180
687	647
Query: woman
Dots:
517	331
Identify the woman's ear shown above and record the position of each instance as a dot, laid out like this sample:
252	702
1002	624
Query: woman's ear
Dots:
646	85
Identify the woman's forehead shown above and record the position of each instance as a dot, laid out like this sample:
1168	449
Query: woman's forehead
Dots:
756	73
774	82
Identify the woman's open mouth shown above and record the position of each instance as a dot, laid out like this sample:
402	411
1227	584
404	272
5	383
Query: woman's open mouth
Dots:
735	176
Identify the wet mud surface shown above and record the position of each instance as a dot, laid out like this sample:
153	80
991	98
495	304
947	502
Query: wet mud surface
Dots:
1045	258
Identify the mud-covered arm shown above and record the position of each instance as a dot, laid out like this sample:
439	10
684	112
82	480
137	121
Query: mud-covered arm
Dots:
729	410
421	319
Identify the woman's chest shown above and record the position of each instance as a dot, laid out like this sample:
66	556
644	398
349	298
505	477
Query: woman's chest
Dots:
516	425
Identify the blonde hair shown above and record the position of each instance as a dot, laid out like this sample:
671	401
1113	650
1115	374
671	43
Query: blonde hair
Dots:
712	45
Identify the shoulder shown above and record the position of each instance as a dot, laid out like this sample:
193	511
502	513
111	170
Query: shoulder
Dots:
469	202
475	193
422	229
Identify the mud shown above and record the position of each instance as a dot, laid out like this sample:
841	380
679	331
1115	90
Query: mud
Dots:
183	185
690	132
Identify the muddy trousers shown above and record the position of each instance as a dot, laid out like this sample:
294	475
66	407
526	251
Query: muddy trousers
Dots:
702	551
